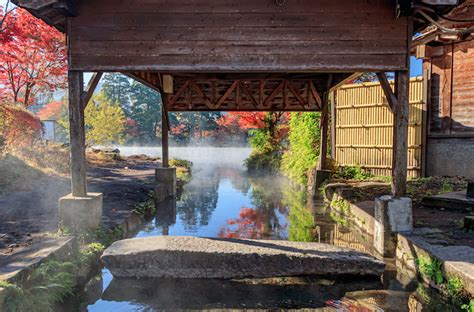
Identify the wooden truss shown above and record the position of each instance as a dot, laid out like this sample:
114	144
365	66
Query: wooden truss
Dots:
244	95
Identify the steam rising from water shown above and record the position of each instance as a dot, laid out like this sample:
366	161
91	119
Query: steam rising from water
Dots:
200	156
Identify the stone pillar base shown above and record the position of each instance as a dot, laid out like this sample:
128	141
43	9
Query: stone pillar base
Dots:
392	215
165	183
78	213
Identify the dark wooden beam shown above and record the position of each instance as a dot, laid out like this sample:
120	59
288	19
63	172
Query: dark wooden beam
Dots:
141	77
387	90
91	86
323	147
400	135
77	134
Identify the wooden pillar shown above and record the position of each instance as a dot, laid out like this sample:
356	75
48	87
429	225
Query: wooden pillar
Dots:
164	132
400	134
77	134
332	98
323	147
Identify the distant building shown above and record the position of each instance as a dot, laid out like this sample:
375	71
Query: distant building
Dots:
49	130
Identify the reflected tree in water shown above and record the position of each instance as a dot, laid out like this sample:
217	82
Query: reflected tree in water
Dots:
261	222
302	223
199	201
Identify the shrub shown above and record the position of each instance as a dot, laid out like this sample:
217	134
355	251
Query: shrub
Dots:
352	173
303	152
266	154
18	127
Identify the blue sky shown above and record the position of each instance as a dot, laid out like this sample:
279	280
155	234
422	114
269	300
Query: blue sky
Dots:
415	68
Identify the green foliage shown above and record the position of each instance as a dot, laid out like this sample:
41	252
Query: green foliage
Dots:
174	162
145	110
430	268
145	209
303	152
447	187
266	155
117	88
468	307
104	121
46	285
104	236
183	171
301	220
455	287
90	252
352	173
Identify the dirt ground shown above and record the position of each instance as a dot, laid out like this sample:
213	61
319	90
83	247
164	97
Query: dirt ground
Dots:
29	215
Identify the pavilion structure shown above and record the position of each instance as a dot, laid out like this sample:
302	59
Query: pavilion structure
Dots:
236	55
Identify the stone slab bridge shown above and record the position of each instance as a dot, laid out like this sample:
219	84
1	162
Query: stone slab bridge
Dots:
237	55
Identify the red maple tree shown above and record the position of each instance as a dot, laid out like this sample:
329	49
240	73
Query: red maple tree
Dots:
32	59
275	122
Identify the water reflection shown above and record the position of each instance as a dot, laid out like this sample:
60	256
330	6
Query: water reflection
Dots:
225	202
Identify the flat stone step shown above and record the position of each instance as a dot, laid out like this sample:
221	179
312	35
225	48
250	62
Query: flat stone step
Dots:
194	257
16	266
450	201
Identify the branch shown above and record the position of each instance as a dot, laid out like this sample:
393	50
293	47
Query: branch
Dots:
4	17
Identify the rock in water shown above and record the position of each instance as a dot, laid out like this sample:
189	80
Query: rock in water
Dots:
194	257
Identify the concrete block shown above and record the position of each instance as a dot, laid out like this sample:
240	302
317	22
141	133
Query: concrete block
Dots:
80	212
396	213
165	183
392	215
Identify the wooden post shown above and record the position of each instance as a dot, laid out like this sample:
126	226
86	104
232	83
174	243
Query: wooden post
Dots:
400	135
164	132
332	98
323	150
77	134
322	165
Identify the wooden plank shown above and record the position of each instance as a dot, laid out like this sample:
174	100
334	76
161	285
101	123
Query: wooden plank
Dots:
91	86
237	36
216	48
204	19
167	84
229	33
77	134
232	6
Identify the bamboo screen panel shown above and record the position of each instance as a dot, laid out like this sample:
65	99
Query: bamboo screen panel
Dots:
364	128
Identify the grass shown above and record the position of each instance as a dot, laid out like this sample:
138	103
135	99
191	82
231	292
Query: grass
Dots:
452	288
16	174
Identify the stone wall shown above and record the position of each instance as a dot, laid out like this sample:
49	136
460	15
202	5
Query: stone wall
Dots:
450	157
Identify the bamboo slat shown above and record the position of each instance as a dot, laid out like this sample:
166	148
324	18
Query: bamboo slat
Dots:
364	134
